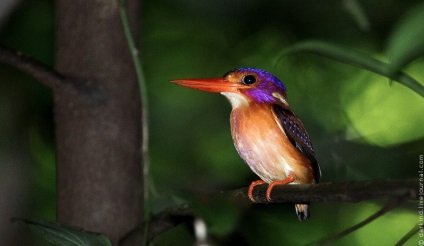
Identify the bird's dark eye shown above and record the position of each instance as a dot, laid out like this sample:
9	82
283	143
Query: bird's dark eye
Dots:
248	79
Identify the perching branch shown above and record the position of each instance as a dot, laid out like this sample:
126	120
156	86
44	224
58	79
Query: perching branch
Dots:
333	192
39	71
399	190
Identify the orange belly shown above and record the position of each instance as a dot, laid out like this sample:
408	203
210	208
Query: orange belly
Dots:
263	145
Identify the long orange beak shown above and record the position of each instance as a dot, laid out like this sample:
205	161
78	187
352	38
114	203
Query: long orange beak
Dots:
210	85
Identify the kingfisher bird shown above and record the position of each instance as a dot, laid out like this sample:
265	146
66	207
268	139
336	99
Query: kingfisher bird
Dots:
266	133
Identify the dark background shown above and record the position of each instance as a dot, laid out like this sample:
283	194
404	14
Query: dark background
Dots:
363	127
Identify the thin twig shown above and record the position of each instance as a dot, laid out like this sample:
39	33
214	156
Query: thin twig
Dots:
387	208
39	71
162	222
144	113
408	235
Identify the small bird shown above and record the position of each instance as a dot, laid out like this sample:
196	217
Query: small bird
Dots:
268	136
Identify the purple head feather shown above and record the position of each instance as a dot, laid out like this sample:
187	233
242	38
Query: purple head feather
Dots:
268	84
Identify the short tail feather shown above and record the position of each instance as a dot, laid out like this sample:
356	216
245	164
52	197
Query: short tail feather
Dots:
302	211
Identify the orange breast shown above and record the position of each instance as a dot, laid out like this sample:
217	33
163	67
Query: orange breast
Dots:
263	145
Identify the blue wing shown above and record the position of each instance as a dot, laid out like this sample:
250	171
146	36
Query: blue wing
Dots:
298	136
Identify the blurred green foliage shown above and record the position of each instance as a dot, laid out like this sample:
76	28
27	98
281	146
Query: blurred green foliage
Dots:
362	126
64	235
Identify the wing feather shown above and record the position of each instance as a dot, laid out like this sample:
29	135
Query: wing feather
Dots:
298	136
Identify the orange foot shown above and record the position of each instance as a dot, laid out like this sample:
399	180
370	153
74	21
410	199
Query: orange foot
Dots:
252	185
287	180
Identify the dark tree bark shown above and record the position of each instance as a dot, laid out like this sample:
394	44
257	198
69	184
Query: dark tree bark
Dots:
98	130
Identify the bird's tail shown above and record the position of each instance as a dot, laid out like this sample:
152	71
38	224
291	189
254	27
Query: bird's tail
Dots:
302	211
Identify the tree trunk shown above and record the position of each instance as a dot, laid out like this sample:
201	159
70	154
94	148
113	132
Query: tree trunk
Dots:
98	128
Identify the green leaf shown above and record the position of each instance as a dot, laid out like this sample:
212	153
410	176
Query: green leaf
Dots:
357	12
407	40
356	58
65	235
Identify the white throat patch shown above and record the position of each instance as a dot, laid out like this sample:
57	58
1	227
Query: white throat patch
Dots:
236	99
